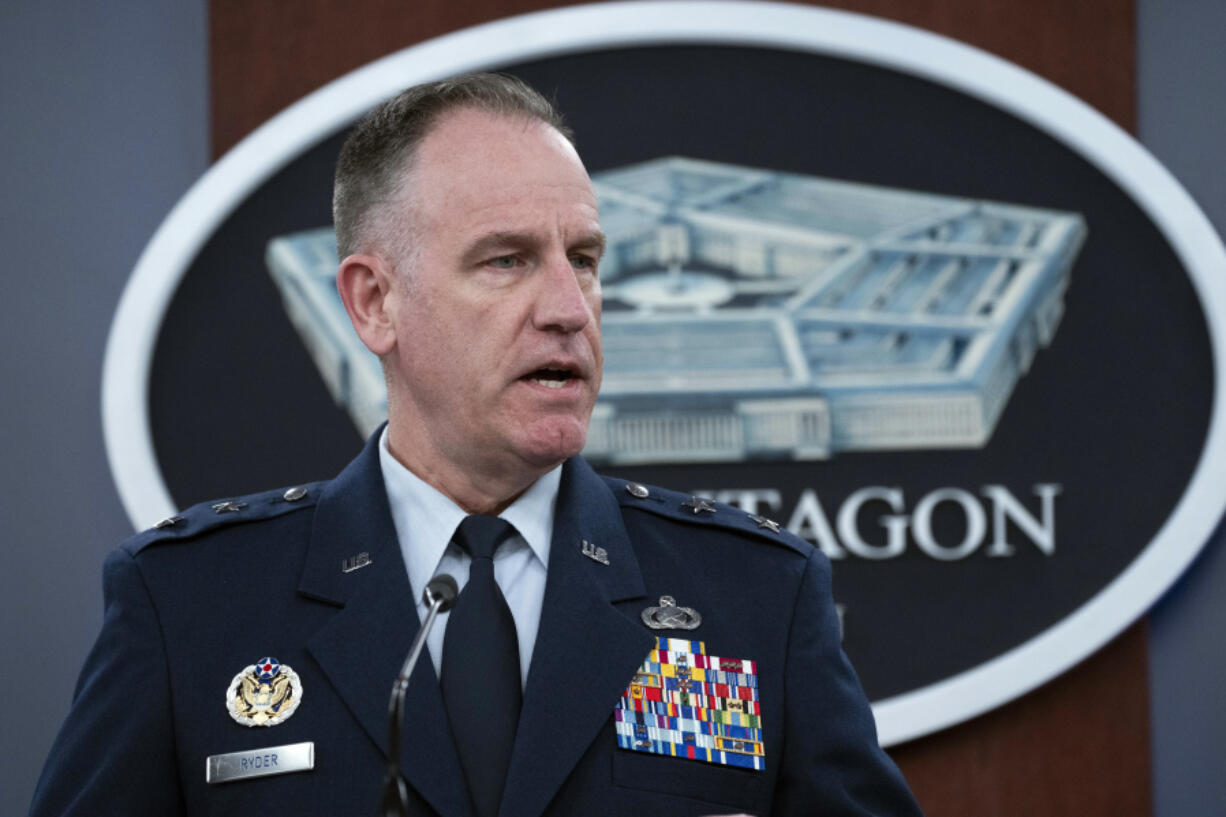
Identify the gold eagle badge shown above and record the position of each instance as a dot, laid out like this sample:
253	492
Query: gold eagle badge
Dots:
265	693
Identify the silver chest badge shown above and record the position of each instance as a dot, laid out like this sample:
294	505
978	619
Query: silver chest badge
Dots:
265	693
668	616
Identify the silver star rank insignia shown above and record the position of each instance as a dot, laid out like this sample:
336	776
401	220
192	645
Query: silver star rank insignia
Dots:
763	522
696	505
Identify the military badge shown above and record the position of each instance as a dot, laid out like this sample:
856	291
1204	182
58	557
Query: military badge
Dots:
265	693
668	616
685	703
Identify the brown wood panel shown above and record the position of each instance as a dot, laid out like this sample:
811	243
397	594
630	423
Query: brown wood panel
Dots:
1087	47
1077	746
266	55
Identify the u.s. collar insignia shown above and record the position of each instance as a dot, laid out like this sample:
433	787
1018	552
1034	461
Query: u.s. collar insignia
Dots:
595	552
668	616
265	693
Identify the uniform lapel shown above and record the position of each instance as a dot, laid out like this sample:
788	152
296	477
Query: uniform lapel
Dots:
363	646
586	650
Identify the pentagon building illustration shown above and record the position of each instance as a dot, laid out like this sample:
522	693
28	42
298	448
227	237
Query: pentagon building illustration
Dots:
757	314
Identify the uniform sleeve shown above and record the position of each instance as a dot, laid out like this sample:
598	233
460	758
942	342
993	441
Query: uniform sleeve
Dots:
832	763
115	753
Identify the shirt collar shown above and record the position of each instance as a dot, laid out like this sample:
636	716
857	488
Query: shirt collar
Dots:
425	518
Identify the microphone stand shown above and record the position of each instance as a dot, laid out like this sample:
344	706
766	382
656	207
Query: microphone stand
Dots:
440	594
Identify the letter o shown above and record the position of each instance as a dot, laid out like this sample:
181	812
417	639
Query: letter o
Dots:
921	524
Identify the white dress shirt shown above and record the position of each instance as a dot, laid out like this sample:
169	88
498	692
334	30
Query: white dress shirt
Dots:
425	520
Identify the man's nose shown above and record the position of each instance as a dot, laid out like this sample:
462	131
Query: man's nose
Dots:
564	299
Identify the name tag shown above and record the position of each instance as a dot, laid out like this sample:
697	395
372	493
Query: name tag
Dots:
293	757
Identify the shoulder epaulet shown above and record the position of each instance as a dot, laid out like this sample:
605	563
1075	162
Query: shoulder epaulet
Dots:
220	513
701	511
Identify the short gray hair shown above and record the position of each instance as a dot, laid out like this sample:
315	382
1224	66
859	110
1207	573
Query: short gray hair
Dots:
384	141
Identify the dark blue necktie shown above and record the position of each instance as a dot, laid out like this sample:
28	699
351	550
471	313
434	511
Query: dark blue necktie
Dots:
480	676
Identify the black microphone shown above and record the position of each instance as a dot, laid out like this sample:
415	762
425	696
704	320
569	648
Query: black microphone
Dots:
440	594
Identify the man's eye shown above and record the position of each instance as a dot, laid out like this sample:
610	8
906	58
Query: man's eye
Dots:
503	262
585	262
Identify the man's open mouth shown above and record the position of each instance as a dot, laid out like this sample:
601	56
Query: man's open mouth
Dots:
550	378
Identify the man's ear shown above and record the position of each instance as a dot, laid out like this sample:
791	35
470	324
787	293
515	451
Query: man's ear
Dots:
366	283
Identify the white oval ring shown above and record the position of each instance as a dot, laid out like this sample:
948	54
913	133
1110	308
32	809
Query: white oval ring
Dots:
274	144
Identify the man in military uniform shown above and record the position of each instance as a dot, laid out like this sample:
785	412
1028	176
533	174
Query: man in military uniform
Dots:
615	649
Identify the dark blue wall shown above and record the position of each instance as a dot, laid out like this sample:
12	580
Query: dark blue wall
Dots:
103	125
1182	94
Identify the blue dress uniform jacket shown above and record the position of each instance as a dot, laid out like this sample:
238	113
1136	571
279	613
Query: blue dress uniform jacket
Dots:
191	604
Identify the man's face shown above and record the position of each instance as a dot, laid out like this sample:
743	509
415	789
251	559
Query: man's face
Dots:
496	309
